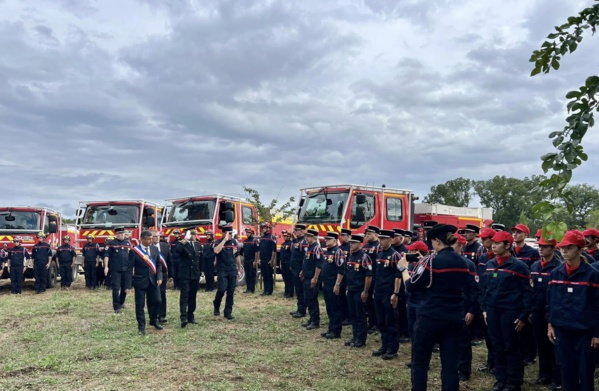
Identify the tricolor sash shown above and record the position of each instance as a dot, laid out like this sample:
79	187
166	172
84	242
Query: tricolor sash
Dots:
162	260
146	257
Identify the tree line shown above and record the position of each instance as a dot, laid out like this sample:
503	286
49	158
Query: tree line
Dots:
513	199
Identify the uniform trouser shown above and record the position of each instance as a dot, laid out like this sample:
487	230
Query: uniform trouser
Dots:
311	299
299	292
528	345
402	314
250	275
343	305
16	279
448	334
41	276
226	283
412	316
108	280
509	368
175	274
209	273
90	274
267	276
386	321
333	306
575	356
357	314
66	275
151	295
287	278
370	308
465	360
489	345
162	308
187	299
548	367
119	286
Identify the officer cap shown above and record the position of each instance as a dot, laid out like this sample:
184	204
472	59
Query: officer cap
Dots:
461	231
227	229
312	232
331	235
418	245
193	232
498	227
487	233
591	232
177	231
357	238
373	228
345	231
440	230
119	230
543	242
461	239
503	236
472	228
573	238
386	233
427	224
408	234
300	226
521	227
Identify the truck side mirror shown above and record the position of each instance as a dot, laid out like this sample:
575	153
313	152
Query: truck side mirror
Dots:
360	199
329	202
301	203
228	216
52	227
150	221
228	206
79	212
150	211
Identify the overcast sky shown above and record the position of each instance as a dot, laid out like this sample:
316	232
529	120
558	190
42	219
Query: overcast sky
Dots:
115	99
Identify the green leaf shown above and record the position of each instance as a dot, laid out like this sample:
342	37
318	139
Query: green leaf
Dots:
555	64
572	46
558	141
583	156
553	134
573	94
553	36
592	82
535	71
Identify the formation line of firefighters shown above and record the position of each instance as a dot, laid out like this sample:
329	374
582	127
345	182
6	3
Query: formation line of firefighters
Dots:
442	293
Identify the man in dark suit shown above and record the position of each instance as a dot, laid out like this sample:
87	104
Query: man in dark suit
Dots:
166	260
144	260
190	254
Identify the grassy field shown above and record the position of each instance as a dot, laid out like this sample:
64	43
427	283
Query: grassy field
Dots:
72	340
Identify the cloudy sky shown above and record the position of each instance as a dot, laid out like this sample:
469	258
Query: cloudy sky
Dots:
113	99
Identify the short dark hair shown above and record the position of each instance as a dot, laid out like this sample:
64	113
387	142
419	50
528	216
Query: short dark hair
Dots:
145	234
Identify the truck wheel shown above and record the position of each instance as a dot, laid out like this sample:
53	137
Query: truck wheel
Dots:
52	275
75	272
241	280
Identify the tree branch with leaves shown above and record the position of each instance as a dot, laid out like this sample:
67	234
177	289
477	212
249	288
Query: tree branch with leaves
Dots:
272	212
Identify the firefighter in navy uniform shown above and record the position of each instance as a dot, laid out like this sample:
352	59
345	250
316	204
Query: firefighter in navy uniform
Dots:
208	258
102	275
442	279
573	314
357	274
116	260
506	304
42	259
16	265
174	272
249	252
372	248
91	257
146	277
484	256
228	267
386	293
190	255
286	263
344	237
66	257
472	246
309	275
540	273
402	304
298	251
333	260
268	258
159	241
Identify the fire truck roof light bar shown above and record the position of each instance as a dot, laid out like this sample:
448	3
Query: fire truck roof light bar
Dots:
222	196
359	187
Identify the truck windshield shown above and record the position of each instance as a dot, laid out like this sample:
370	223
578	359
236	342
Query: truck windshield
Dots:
111	214
323	208
20	220
192	211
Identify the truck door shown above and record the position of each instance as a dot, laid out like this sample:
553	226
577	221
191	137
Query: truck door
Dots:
363	210
395	211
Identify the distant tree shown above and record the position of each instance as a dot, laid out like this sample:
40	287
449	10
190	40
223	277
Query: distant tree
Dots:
272	212
582	199
455	192
68	221
593	220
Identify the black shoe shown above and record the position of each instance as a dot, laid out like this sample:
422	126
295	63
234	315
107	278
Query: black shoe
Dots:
183	324
193	321
157	326
306	324
498	386
247	291
324	335
389	356
464	377
358	344
293	313
528	361
379	352
554	387
542	381
409	364
436	348
216	310
476	342
118	311
346	322
229	317
512	388
486	368
332	336
372	330
297	315
405	340
141	332
263	294
163	320
313	326
349	343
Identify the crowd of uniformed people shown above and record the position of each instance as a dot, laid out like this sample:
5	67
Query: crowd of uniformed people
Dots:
444	293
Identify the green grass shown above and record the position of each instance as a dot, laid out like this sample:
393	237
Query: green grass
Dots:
71	340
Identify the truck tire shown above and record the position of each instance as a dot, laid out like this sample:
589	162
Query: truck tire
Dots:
52	275
75	272
241	280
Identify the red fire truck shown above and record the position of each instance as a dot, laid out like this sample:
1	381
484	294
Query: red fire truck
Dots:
100	218
25	223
